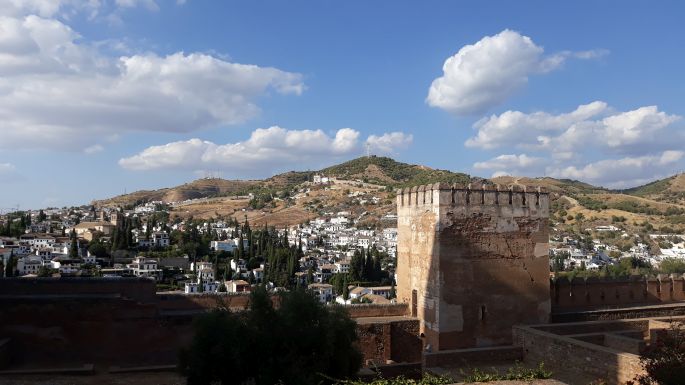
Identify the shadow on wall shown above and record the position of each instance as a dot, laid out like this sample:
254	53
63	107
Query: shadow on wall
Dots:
473	262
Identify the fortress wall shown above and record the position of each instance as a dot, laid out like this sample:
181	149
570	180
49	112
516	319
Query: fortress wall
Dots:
597	293
473	261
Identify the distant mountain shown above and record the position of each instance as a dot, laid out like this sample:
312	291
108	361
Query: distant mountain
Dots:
389	172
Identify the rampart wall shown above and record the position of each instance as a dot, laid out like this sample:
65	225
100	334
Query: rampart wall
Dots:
138	289
473	261
598	293
122	322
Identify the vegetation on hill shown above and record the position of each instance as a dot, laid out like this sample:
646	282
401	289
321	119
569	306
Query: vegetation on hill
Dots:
671	190
389	172
656	187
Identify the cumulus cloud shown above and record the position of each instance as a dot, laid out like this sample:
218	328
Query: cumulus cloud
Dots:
521	129
512	164
639	131
594	143
389	143
485	74
624	172
58	92
267	148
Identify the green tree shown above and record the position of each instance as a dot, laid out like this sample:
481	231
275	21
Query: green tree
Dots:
73	250
294	344
346	290
98	249
9	269
44	271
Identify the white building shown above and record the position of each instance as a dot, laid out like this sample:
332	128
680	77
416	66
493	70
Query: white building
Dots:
222	245
29	265
208	287
145	267
323	291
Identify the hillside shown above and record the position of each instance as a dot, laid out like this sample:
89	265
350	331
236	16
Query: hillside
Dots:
559	186
671	190
388	172
377	170
201	188
290	198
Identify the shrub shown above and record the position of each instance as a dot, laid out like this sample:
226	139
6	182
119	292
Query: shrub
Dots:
300	342
664	362
517	372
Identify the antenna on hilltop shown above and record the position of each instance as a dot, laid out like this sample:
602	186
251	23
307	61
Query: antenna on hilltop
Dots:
368	150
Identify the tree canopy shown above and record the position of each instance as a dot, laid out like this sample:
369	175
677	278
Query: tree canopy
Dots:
300	342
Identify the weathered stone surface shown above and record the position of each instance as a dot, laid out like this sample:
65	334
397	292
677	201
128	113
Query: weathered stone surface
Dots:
473	262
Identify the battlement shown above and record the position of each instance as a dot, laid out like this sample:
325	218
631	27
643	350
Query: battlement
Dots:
597	292
473	195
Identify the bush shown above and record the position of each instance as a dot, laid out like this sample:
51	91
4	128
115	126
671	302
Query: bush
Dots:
301	342
517	372
664	362
427	379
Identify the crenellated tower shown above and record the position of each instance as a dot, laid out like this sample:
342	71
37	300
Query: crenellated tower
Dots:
472	261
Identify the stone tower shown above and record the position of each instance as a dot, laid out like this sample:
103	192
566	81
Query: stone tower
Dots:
473	261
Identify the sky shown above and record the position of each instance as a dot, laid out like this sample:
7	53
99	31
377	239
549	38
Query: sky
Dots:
103	97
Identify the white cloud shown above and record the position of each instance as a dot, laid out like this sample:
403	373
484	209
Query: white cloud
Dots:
488	72
512	164
60	93
521	129
8	173
94	149
637	126
149	4
639	131
267	148
593	143
623	172
6	168
389	143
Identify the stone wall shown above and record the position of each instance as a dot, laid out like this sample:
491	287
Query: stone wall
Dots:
473	261
138	289
597	293
378	310
384	340
561	353
62	322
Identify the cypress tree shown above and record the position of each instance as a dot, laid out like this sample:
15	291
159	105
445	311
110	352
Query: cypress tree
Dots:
73	250
346	290
9	269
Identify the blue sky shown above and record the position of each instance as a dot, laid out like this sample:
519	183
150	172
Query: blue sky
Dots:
106	96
